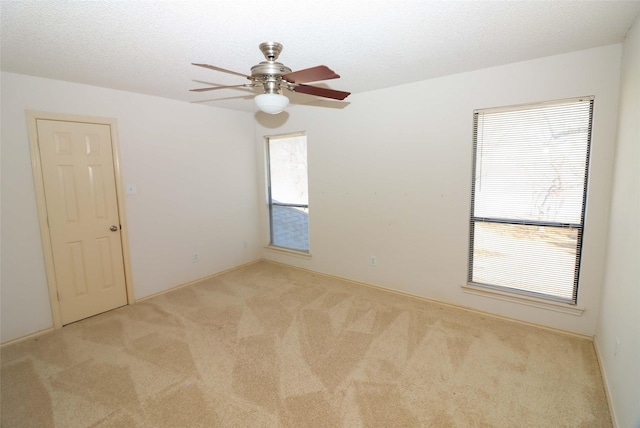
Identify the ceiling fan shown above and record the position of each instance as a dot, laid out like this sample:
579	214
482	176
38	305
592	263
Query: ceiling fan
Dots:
273	76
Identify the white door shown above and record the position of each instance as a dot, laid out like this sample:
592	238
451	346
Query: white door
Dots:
82	214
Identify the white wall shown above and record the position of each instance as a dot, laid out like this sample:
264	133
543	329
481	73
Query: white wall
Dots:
194	168
390	176
620	308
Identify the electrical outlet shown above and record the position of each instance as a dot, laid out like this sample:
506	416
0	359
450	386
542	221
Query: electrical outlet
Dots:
195	258
373	261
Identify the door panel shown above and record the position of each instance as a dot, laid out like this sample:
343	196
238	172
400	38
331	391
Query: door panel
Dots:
80	193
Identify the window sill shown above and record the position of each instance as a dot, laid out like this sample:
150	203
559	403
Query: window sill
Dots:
287	251
480	290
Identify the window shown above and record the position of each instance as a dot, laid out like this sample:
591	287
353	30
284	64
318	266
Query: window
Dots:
287	191
528	197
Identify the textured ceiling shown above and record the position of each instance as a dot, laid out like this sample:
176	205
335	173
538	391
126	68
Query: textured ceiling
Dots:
148	46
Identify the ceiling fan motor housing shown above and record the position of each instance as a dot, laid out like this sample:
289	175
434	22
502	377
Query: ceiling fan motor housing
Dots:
268	72
269	68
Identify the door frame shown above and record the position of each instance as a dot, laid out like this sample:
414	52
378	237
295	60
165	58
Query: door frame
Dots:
36	167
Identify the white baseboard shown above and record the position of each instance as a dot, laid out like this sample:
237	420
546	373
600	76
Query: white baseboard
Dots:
27	337
439	302
186	284
50	329
607	390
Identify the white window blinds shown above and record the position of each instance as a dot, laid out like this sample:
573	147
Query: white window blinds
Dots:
528	197
288	192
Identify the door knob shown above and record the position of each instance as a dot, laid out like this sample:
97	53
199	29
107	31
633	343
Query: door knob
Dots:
114	228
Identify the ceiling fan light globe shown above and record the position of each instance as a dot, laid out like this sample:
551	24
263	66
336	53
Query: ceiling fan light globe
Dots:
271	103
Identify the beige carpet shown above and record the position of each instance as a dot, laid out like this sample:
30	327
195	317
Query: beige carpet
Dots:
268	345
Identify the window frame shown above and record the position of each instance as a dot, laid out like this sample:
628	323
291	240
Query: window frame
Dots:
271	204
511	293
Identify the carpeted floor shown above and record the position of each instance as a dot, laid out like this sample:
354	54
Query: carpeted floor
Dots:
267	345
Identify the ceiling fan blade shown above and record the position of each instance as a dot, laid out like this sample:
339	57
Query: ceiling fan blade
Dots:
321	92
209	100
213	67
313	74
246	85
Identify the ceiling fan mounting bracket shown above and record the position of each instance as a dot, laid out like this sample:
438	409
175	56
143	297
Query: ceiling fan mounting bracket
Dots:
271	50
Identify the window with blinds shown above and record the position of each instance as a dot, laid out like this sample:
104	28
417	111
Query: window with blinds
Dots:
287	189
528	197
